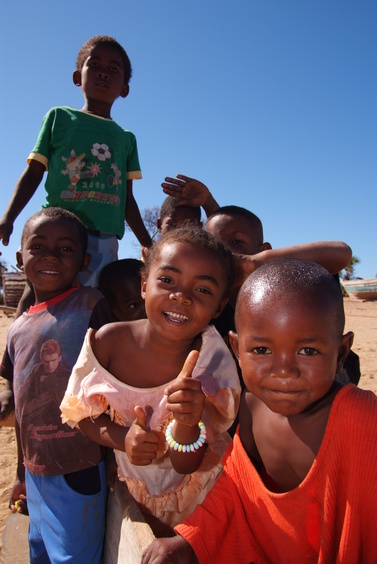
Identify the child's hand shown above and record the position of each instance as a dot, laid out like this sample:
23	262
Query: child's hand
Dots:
6	402
18	502
191	192
185	398
174	550
6	228
141	445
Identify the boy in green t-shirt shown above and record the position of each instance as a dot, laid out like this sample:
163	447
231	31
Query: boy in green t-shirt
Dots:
91	161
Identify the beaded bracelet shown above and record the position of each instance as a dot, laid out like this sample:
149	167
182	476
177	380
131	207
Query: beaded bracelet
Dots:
186	448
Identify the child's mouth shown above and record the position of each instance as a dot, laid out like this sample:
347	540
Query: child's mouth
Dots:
176	317
50	272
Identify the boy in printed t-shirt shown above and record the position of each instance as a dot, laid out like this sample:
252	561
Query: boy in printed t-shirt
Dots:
60	477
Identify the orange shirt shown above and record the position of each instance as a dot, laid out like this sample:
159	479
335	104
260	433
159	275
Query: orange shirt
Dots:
330	517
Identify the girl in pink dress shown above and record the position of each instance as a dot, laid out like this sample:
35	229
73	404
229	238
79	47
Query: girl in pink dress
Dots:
163	391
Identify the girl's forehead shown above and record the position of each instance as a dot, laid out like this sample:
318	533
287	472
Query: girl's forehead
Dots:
177	249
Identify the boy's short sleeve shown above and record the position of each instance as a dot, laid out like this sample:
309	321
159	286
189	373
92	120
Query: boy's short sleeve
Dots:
42	147
133	165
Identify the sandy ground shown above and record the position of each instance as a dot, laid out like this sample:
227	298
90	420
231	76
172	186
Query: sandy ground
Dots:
361	318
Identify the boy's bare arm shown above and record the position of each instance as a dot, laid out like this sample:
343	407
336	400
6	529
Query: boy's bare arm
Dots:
332	255
17	501
134	220
191	192
22	193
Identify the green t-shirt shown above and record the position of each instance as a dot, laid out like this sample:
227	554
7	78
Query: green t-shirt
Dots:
89	160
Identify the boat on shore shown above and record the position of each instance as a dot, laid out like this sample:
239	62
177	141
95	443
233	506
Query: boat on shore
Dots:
361	289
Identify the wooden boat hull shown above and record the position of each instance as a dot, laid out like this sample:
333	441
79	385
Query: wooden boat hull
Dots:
361	289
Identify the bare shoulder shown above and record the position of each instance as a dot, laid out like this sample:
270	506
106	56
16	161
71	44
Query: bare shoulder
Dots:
116	330
113	339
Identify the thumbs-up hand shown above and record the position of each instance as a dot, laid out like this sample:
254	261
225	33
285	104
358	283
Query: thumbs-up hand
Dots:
185	398
141	444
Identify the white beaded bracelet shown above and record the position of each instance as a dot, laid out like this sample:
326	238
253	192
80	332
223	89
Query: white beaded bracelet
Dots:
186	448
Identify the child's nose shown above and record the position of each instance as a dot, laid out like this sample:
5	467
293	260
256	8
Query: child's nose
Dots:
102	72
180	298
284	367
50	254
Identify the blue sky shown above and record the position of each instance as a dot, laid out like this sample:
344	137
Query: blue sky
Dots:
272	104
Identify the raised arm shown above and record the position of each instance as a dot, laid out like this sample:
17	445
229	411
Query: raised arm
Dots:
332	255
191	192
22	193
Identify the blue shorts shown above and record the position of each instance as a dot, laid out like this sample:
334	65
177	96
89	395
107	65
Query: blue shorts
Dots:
65	526
103	248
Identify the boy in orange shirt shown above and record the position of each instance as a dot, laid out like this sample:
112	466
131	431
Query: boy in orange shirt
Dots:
299	480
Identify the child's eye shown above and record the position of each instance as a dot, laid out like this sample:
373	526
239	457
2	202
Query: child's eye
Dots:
114	70
308	351
66	249
165	279
236	243
204	291
261	350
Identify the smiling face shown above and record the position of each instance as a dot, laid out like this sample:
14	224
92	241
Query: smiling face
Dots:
289	349
183	290
102	77
51	256
237	232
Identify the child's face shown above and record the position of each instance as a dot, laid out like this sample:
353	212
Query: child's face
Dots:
236	232
184	291
102	75
288	350
129	305
183	215
51	257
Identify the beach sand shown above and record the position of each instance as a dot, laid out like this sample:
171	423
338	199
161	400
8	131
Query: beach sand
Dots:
361	318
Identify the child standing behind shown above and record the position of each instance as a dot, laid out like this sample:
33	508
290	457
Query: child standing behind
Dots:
299	480
91	161
61	471
120	283
129	391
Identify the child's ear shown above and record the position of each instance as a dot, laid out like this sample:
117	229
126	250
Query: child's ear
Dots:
125	91
85	261
222	304
76	77
159	223
143	286
265	247
233	339
20	262
343	350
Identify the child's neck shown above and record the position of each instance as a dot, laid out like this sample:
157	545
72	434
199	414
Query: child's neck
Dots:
97	109
42	297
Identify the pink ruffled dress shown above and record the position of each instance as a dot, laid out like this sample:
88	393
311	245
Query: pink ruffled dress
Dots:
170	496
